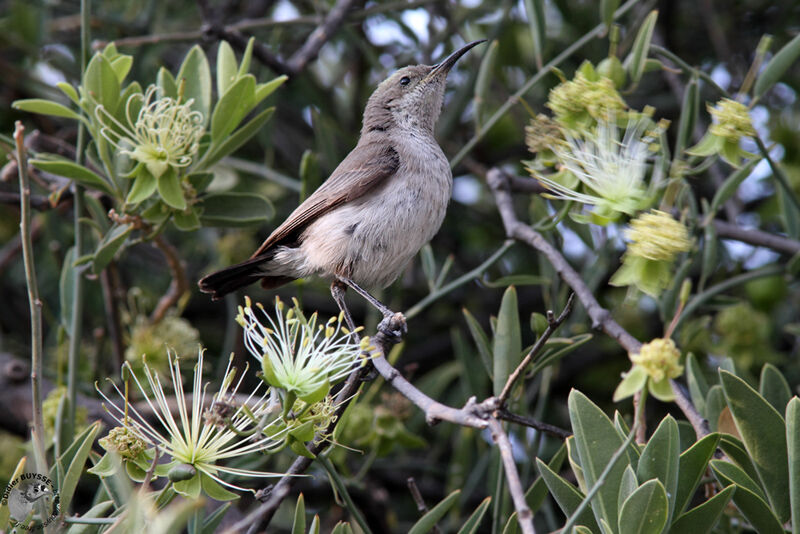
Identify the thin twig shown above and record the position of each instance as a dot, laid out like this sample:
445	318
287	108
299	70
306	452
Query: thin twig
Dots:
552	325
524	514
108	282
601	318
177	287
320	36
422	508
34	303
757	238
553	430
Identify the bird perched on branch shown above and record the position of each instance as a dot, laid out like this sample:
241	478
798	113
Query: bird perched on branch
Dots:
383	202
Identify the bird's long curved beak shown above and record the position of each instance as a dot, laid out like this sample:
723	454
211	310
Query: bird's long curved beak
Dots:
443	67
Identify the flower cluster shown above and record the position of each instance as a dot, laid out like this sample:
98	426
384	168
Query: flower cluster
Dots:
196	450
300	356
656	363
600	170
587	98
731	122
165	133
655	241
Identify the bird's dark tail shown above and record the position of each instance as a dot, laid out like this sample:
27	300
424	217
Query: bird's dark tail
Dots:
243	274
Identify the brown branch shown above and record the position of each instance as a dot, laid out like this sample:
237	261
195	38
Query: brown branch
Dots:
552	325
320	36
524	514
422	508
601	317
553	430
110	283
179	284
757	238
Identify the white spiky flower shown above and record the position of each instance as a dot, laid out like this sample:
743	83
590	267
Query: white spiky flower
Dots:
612	172
192	438
166	132
298	355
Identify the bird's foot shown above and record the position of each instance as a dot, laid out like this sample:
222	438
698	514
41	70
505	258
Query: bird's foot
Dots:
393	327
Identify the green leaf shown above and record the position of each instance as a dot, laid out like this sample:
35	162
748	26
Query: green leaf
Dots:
754	508
731	185
793	446
314	528
45	107
763	432
735	450
214	489
109	246
226	69
715	402
244	67
263	90
299	524
607	9
633	382
101	82
105	467
233	142
70	91
627	485
144	185
538	491
507	344
517	280
188	488
77	459
567	496
704	517
480	338
211	523
235	209
691	467
645	511
698	385
662	390
232	107
688	118
98	510
774	387
166	83
483	82
73	171
596	441
472	523
186	220
636	60
169	187
534	9
660	458
427	521
777	66
728	473
66	284
195	74
122	66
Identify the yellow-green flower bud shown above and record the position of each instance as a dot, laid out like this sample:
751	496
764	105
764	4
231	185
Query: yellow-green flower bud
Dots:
579	99
123	442
660	359
731	120
657	236
542	133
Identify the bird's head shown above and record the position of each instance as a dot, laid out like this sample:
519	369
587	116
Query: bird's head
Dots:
412	97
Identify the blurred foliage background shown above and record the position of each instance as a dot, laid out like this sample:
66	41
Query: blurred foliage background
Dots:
317	120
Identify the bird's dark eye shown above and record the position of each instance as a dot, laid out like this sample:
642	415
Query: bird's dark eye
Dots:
405	80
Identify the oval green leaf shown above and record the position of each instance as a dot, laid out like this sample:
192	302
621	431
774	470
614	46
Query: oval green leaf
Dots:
645	511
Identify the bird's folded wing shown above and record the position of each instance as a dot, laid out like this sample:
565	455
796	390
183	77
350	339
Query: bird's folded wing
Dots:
364	168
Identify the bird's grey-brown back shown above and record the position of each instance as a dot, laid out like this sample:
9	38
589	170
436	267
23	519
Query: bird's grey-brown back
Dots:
383	202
